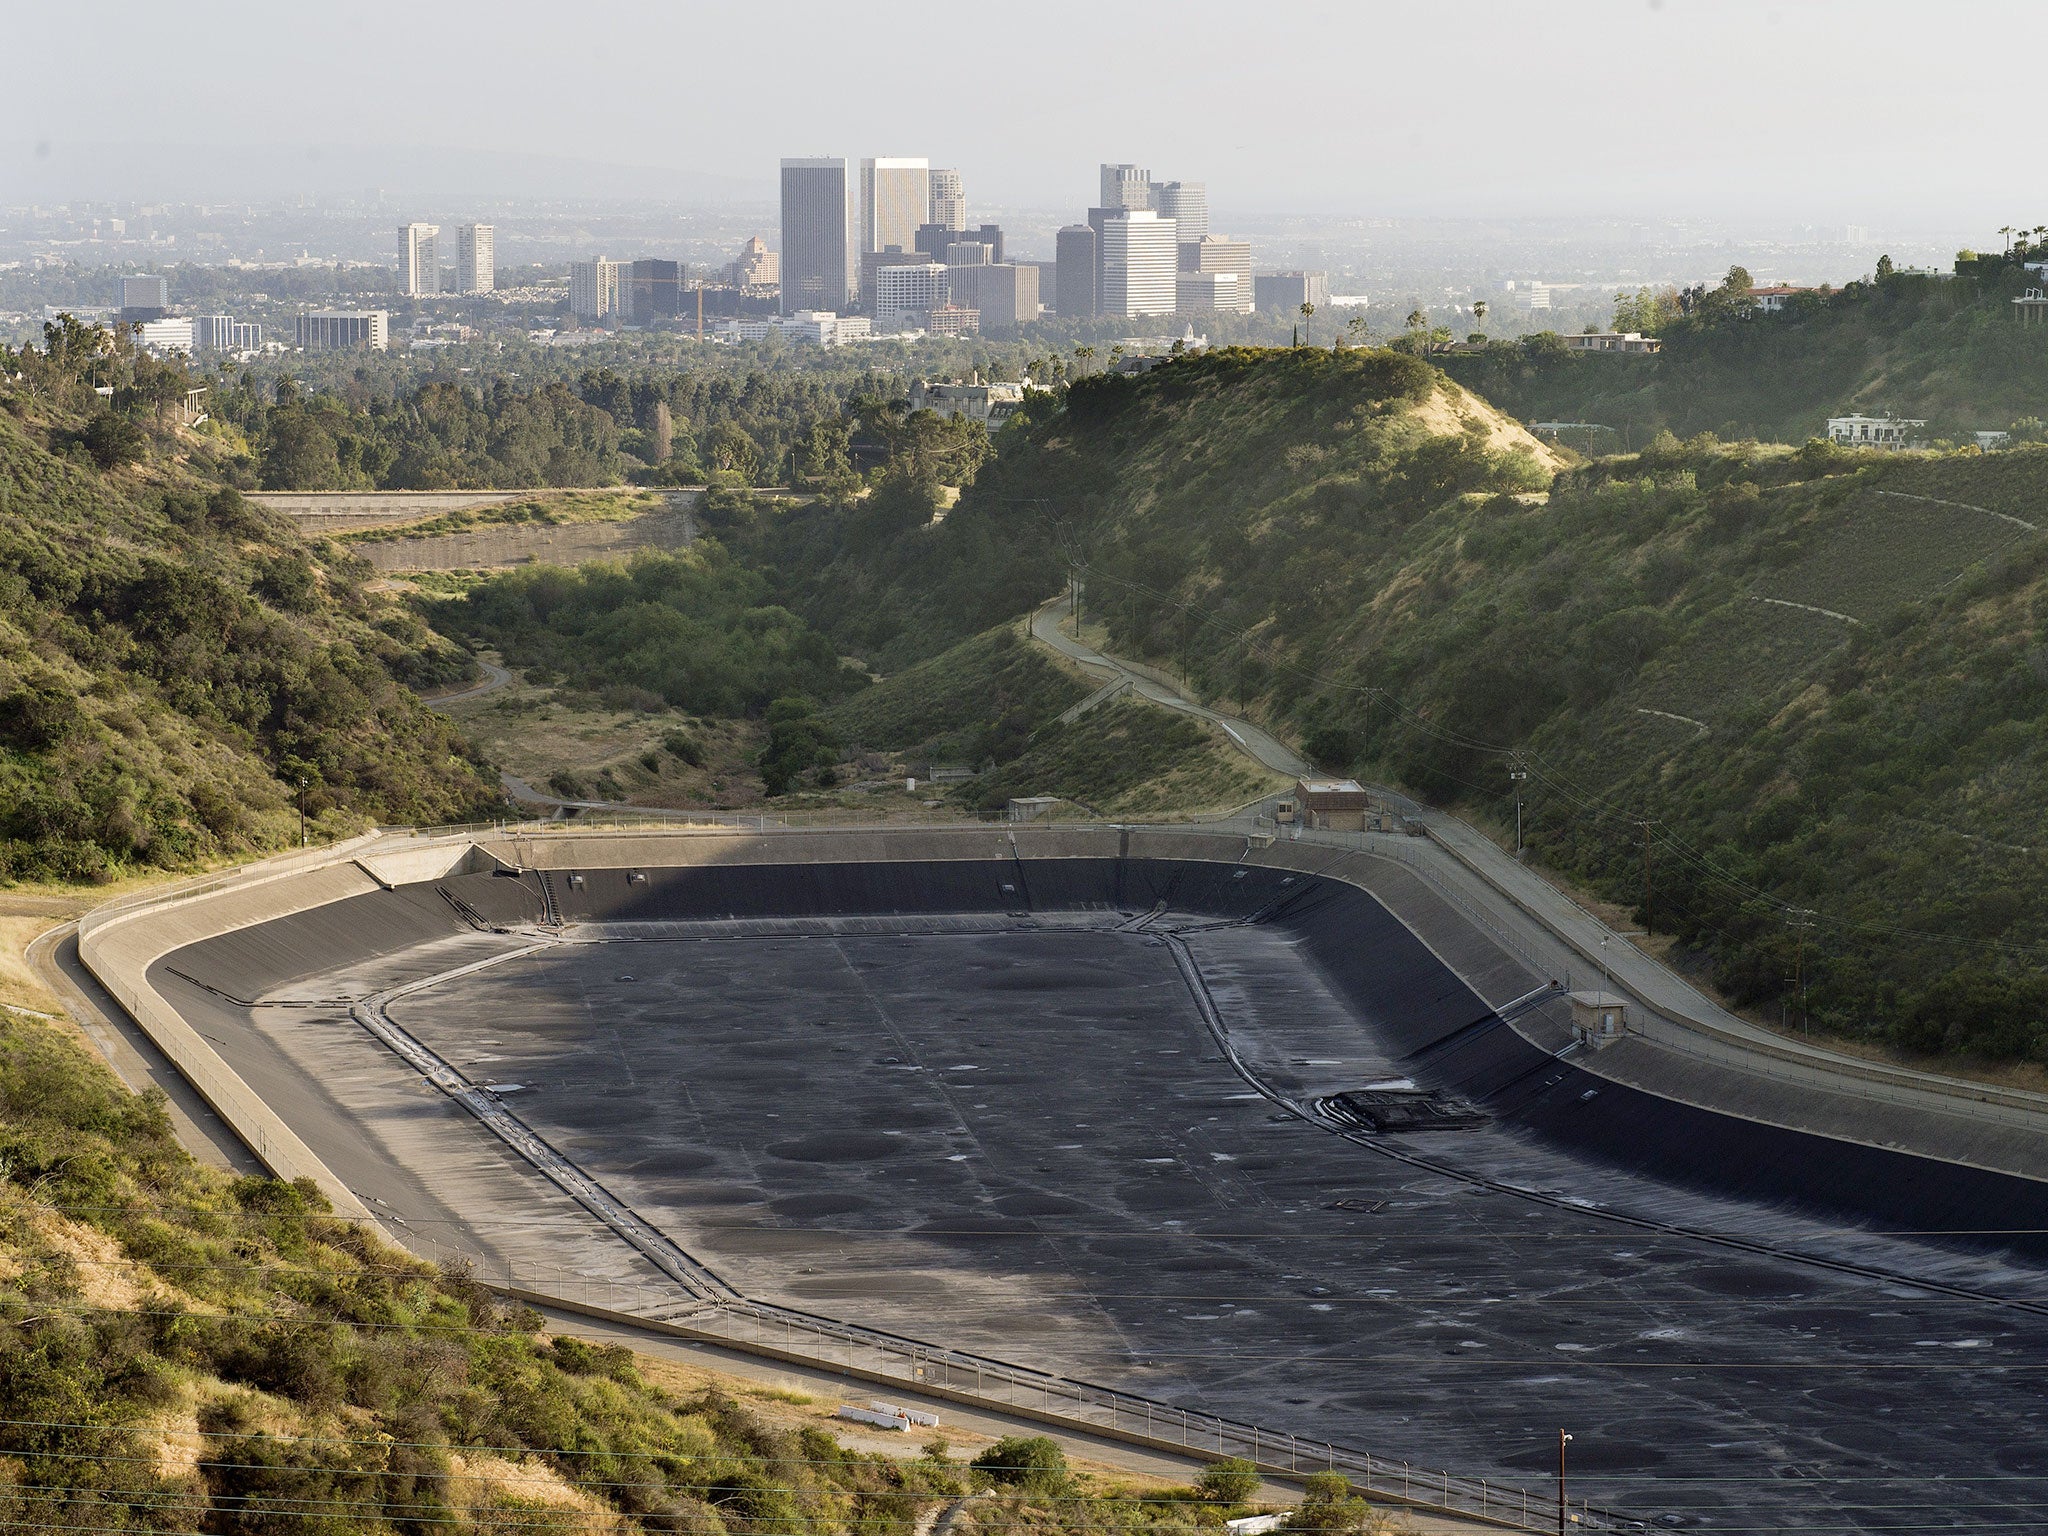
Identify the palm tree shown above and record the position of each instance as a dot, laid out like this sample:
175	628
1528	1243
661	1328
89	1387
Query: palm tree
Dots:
1479	308
2006	230
1081	355
1308	313
1418	323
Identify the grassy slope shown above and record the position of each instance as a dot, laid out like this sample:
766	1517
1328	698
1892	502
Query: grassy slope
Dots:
173	661
1949	352
997	698
1275	526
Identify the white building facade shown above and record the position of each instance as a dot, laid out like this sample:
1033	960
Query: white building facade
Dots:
1139	259
419	261
476	258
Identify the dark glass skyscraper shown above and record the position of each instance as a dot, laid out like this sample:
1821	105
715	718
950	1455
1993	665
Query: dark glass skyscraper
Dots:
817	236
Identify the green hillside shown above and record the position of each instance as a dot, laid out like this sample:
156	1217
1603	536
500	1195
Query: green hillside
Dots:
995	701
1820	675
1946	351
174	661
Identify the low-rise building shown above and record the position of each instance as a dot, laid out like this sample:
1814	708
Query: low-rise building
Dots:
2030	308
816	327
1332	805
163	337
344	330
1769	301
991	404
1892	432
1286	292
1613	341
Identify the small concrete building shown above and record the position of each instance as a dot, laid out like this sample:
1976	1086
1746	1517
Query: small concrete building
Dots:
1031	807
1332	805
1599	1018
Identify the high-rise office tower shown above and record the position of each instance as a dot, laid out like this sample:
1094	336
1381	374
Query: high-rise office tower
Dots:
906	293
419	265
1126	186
895	197
949	200
1187	204
144	299
476	258
817	251
1074	269
650	291
1215	274
594	289
1139	257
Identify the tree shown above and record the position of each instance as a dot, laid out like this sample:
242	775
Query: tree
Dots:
731	453
1230	1481
1737	283
112	440
1356	325
661	433
1032	1463
1479	308
1884	268
1330	1508
1308	314
1081	356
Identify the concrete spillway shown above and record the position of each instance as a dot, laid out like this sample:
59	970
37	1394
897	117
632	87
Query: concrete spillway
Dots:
1061	1104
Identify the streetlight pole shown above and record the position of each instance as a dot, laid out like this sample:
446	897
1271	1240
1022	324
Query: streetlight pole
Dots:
302	811
1517	775
1563	1440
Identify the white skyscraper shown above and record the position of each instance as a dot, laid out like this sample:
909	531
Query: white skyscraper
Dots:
1139	259
905	295
594	289
476	264
419	265
895	198
949	200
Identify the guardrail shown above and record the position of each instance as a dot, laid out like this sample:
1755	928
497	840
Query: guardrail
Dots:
884	1359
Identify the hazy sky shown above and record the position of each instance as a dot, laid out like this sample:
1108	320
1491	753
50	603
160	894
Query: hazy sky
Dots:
1877	112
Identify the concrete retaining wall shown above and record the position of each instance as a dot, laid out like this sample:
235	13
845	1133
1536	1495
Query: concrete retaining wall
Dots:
1737	1134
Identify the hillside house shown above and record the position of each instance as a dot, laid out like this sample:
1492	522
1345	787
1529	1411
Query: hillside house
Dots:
1613	341
1892	432
989	404
1779	296
2030	308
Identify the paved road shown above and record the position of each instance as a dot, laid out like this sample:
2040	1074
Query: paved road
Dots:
1573	944
1265	749
495	677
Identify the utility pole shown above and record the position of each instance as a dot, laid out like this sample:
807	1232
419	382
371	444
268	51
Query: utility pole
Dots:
1646	826
1799	919
302	812
1563	1440
1517	775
